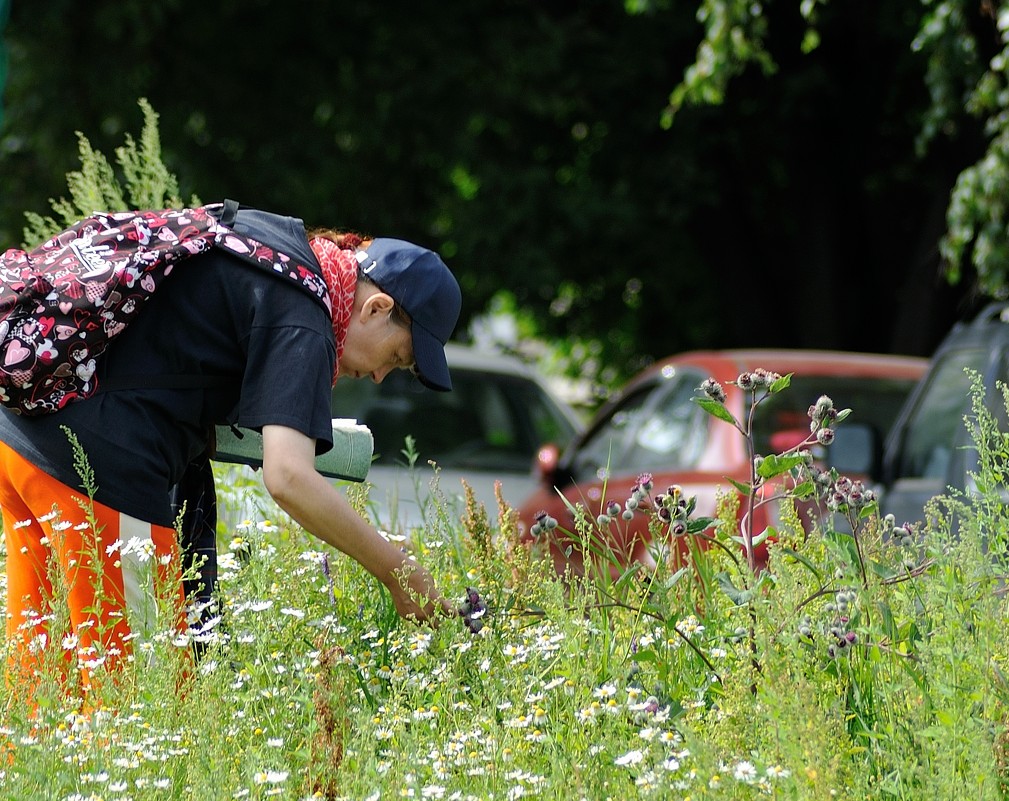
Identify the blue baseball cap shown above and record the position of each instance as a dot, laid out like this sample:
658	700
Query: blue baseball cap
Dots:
418	280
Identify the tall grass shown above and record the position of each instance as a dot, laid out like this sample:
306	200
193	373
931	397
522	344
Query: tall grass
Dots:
311	687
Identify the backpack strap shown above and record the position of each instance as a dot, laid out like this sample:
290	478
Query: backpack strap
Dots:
229	212
264	256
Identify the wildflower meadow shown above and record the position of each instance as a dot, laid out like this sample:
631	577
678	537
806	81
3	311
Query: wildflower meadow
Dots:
867	661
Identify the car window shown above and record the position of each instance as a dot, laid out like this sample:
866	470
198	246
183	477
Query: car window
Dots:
932	430
875	401
656	428
488	421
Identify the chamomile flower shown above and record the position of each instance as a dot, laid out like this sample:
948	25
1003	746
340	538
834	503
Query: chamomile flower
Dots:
271	777
690	626
634	757
744	772
418	643
589	713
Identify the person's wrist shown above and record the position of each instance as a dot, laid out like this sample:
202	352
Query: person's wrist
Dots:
397	572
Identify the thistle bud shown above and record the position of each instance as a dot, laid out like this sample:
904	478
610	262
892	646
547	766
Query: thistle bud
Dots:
472	611
764	378
713	390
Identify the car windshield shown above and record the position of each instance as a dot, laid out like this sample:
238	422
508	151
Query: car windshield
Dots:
655	428
873	401
933	429
490	420
659	428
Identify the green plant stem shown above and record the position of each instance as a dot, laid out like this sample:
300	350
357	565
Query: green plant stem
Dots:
715	541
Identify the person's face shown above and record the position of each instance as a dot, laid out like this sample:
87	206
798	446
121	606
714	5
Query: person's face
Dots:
375	345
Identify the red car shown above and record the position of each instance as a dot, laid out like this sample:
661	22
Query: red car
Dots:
654	427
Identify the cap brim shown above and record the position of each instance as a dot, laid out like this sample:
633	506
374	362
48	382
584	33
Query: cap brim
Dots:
429	356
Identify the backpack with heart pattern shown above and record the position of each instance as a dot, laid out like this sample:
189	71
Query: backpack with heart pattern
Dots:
64	301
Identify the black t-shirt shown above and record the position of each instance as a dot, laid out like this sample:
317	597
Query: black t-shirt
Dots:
215	315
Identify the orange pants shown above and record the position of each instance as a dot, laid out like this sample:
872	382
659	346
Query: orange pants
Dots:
114	570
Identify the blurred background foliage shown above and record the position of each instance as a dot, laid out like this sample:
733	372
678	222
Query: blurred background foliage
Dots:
628	179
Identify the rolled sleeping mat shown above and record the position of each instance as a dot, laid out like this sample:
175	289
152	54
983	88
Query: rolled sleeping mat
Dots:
348	459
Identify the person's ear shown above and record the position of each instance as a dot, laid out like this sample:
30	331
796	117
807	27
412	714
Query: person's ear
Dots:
377	305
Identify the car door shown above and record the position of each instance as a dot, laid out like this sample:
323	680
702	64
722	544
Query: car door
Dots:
929	448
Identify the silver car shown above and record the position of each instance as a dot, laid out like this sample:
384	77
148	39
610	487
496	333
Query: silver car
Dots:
489	428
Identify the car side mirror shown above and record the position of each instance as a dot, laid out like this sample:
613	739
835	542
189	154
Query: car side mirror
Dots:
548	458
856	449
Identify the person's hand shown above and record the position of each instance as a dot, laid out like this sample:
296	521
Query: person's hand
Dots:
315	503
415	595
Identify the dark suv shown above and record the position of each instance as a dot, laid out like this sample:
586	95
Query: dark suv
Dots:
928	448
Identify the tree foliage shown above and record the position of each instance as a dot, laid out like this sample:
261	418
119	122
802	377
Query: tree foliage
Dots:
525	142
978	216
966	47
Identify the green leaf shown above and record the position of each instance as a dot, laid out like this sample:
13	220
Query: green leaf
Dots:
757	538
774	465
746	489
716	409
698	524
781	383
675	578
645	655
736	595
628	574
881	570
804	490
802	560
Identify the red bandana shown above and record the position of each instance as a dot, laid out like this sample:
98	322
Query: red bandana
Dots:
339	269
